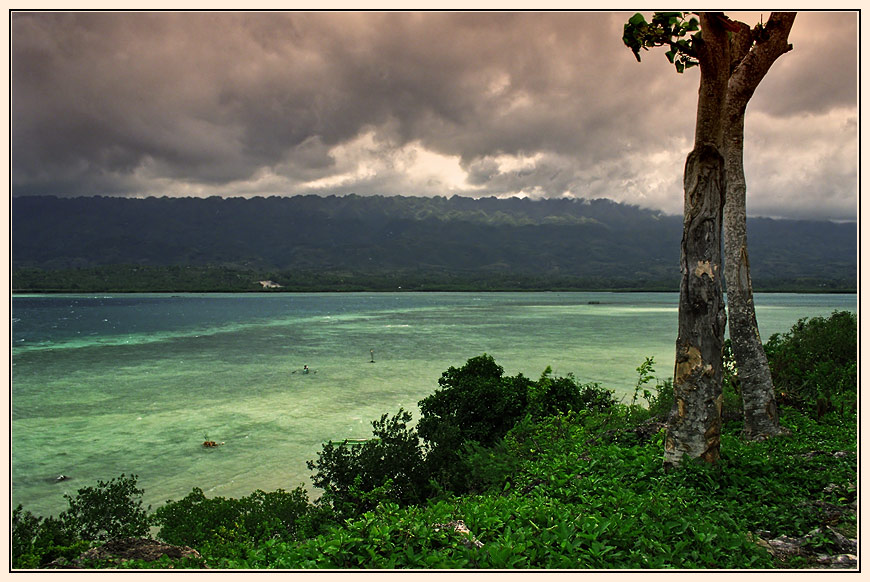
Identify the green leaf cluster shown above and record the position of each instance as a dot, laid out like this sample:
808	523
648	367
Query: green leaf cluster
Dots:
389	467
196	520
111	509
815	364
665	28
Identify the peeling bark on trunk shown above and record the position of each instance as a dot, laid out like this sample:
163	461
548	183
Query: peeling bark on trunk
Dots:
695	422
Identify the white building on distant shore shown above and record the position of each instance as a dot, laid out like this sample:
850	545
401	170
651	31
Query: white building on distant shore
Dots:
270	285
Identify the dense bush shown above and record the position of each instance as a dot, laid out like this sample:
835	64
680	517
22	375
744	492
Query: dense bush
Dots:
196	520
815	364
390	466
549	396
112	509
475	403
37	541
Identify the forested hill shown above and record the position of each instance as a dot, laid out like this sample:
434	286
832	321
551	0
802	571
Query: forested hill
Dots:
311	242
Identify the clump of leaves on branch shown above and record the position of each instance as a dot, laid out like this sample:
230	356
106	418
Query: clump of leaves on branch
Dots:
666	28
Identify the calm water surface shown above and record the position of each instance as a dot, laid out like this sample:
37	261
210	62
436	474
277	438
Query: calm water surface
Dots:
104	385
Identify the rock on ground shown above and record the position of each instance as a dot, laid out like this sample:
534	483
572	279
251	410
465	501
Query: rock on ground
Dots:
118	551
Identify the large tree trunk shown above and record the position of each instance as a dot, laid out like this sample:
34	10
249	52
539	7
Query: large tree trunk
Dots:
749	66
733	60
695	422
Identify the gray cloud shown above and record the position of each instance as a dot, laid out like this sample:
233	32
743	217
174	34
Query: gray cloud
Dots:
535	104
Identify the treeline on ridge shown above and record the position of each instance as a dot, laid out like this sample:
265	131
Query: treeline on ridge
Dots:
353	242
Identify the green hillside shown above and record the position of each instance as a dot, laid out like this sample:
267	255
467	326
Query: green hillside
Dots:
376	242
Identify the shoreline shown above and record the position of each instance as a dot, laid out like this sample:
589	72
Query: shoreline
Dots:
23	292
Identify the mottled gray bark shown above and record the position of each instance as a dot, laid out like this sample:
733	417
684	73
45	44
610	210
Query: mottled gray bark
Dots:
694	425
695	422
749	64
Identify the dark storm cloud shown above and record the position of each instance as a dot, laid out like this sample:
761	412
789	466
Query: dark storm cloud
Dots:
537	104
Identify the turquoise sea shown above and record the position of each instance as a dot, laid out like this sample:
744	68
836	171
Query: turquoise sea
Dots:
110	384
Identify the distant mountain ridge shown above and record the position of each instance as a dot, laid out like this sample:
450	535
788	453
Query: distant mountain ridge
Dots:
592	244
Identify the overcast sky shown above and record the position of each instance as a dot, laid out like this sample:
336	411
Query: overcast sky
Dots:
415	104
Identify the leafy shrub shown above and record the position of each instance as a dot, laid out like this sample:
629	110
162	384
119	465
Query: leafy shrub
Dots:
37	541
550	396
355	478
112	509
476	403
196	520
387	537
663	399
659	399
815	364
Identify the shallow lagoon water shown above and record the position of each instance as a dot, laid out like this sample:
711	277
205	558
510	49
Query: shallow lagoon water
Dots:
104	385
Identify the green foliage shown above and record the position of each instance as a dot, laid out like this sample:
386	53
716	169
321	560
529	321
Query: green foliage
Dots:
666	28
476	403
549	396
196	520
356	478
37	541
659	399
663	399
112	509
568	499
815	364
645	373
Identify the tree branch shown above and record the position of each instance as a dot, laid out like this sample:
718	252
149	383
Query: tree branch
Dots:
754	66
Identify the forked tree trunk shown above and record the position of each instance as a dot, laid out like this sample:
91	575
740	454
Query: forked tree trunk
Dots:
731	69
